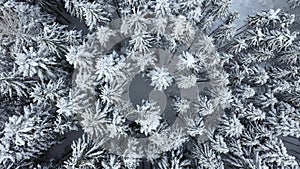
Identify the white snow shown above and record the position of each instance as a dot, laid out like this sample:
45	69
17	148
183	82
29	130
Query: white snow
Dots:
250	7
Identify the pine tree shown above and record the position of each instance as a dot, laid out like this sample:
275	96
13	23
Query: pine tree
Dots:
53	80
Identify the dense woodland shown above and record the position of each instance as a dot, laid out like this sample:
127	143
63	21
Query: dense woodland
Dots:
67	65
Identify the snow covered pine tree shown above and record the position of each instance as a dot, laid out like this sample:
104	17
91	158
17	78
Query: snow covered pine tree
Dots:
54	80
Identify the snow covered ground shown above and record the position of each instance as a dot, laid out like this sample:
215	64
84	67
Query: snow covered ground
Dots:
249	7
